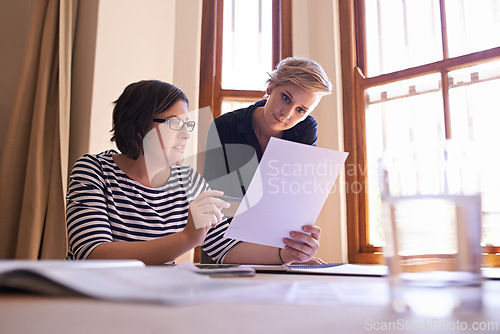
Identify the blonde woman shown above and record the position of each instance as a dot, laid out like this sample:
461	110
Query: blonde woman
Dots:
294	89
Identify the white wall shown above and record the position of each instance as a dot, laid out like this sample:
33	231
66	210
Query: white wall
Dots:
134	40
187	63
316	36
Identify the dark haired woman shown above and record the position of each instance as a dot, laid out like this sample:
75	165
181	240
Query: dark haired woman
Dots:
113	211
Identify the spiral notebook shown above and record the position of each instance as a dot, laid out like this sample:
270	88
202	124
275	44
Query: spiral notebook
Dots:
344	269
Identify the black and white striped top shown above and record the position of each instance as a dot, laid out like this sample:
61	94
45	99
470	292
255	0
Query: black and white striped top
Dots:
105	205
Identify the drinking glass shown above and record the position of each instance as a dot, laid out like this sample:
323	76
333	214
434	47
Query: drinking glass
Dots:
431	211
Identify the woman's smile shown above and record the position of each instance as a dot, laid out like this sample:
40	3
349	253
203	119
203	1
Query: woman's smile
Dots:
278	120
179	148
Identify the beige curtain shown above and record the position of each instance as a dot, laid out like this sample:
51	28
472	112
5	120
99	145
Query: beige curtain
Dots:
34	163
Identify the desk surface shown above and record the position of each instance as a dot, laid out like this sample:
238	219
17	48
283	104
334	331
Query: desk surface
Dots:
21	313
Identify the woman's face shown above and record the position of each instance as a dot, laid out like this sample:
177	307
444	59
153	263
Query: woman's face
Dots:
287	105
173	142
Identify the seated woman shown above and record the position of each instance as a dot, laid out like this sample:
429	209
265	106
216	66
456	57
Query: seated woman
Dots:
113	211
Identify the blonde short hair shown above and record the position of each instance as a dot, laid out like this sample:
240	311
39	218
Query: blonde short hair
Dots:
303	72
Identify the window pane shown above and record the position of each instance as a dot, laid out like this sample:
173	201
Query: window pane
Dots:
401	34
247	46
475	116
472	25
230	104
401	117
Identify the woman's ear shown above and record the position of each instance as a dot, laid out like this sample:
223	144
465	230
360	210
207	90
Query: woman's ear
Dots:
269	89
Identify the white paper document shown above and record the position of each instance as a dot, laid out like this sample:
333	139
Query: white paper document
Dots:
124	280
132	281
288	190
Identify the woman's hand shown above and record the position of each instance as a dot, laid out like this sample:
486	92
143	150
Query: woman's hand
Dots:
301	247
204	213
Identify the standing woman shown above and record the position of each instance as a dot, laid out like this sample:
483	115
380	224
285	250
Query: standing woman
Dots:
238	139
113	211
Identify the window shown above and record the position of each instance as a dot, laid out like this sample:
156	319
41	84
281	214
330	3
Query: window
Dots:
246	51
242	40
247	44
415	74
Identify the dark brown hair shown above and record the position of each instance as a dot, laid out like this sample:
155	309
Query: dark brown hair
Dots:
135	109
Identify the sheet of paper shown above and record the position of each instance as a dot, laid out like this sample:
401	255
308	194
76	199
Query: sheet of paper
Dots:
175	285
288	190
159	284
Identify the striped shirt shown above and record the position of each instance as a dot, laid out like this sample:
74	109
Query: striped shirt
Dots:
105	205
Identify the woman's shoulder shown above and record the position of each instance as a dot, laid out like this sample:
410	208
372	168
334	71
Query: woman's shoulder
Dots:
304	132
96	158
94	162
310	121
308	125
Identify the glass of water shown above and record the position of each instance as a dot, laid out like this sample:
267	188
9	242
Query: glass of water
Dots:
431	210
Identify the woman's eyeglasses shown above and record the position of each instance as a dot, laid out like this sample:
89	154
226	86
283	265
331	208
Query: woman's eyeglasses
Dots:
176	124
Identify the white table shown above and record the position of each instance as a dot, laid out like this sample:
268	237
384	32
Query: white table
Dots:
21	313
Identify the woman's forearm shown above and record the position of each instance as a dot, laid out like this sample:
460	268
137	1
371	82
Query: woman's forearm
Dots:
249	253
157	251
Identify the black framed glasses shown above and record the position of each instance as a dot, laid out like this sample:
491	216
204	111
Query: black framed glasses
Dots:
176	124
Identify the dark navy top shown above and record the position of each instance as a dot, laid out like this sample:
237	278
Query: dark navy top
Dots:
233	150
